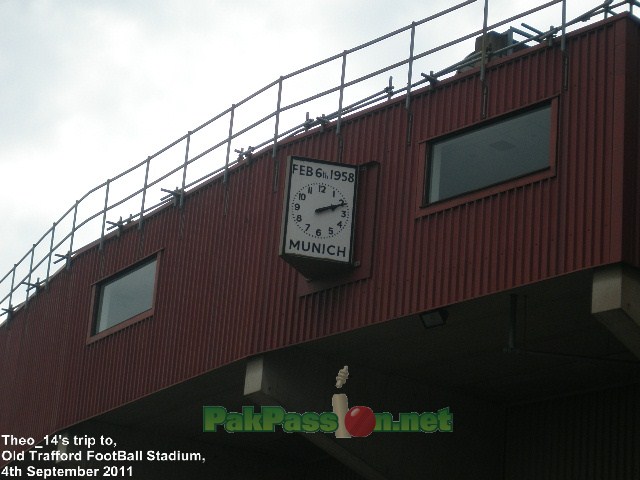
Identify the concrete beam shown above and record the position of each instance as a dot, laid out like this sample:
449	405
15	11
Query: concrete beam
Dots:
615	302
266	385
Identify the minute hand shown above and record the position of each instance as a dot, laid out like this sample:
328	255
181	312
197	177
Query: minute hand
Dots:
331	207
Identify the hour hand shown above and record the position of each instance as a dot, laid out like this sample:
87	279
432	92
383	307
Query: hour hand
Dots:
331	207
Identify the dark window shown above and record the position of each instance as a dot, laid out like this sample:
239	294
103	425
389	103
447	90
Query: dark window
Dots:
490	154
125	296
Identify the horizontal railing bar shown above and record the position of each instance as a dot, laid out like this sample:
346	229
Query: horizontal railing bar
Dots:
123	200
524	14
89	219
252	126
378	39
590	13
24	257
309	125
208	122
309	99
7	275
208	150
255	94
207	176
131	169
93	190
364	45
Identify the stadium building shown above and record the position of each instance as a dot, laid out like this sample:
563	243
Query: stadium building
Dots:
468	245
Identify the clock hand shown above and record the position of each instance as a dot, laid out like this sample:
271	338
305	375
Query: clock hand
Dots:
331	207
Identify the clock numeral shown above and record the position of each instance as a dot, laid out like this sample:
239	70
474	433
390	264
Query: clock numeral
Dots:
310	190
307	226
318	233
298	218
334	194
302	196
330	230
343	214
322	188
296	206
340	224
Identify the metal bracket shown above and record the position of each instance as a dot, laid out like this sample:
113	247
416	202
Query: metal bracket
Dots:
549	36
430	77
389	89
177	195
66	257
119	224
245	155
322	120
308	123
529	27
38	285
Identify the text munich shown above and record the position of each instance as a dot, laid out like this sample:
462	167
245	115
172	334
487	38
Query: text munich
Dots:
319	248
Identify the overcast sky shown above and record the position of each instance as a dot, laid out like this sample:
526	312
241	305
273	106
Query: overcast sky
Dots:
88	87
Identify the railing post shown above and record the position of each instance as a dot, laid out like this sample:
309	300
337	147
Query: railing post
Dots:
184	169
73	234
226	164
483	59
33	252
340	100
483	53
13	285
104	215
563	41
410	74
563	48
144	192
53	232
274	149
277	126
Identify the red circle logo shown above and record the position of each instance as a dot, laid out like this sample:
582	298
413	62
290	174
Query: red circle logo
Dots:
360	421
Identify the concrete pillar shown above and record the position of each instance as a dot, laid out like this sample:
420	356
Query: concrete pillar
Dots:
615	302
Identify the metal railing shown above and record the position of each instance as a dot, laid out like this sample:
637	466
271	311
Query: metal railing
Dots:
94	213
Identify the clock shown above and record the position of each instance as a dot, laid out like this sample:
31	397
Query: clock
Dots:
320	210
318	216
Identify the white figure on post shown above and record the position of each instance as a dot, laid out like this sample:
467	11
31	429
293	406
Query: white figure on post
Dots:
340	403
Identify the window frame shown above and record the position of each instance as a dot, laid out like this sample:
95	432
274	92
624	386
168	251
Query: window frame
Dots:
96	288
425	207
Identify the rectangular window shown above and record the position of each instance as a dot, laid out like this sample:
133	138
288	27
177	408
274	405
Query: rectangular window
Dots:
490	154
125	296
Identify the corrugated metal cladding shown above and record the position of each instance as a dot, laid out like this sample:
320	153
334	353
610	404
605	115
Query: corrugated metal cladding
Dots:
631	218
588	436
223	293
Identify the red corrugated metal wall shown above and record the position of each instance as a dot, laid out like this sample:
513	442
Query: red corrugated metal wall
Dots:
223	293
631	217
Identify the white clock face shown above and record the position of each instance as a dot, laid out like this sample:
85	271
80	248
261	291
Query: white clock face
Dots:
320	210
